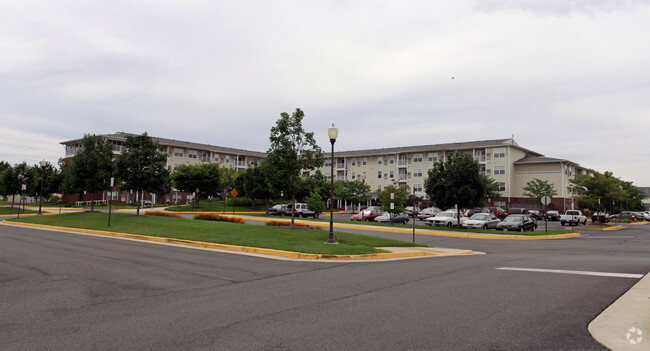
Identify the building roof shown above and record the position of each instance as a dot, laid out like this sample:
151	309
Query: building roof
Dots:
121	136
435	147
529	159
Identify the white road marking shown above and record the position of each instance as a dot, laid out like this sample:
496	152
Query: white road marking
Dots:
562	271
609	237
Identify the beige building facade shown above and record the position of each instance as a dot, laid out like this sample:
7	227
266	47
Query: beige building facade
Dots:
509	164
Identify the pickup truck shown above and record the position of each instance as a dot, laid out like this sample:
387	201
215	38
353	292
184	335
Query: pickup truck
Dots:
573	217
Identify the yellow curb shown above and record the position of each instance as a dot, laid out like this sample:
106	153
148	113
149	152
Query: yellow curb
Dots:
638	223
616	227
424	231
257	250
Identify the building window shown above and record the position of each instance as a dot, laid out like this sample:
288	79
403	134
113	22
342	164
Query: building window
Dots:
379	174
417	172
178	152
391	159
500	152
380	160
176	198
192	154
499	170
417	188
353	161
364	161
354	176
483	170
216	158
502	186
227	159
417	158
432	157
501	204
328	163
392	174
379	187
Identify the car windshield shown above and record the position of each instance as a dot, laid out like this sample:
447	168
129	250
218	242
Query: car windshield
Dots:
445	214
480	216
514	219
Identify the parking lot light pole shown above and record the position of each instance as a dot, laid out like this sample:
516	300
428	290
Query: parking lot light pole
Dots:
40	203
332	132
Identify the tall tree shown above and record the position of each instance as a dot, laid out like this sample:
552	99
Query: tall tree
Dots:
93	166
253	183
399	195
537	189
456	181
292	151
205	176
142	167
594	187
12	180
50	178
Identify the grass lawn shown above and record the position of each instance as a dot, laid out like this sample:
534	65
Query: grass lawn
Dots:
14	211
298	240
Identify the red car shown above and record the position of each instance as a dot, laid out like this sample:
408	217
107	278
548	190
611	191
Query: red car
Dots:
366	215
517	210
499	212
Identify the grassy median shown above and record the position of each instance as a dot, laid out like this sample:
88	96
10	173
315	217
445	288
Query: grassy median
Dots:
297	240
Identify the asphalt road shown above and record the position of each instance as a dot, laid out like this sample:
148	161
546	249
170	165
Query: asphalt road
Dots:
63	291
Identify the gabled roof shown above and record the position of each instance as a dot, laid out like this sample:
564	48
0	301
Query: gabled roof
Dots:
435	147
121	136
530	159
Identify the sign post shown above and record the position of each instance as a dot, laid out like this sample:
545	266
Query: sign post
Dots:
234	194
109	201
545	201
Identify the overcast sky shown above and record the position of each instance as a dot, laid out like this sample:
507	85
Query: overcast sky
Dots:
569	79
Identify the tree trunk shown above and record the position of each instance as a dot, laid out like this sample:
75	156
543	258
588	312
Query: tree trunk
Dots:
92	201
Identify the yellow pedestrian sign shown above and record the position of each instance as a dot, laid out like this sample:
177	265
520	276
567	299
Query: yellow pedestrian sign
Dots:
234	193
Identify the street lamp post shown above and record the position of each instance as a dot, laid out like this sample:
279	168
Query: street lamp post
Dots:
332	132
282	204
40	203
363	180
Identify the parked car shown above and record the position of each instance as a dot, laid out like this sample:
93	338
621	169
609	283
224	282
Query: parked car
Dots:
398	218
629	215
428	212
498	211
518	222
367	215
552	215
447	219
474	211
410	209
601	217
646	215
275	210
537	215
482	221
573	217
301	210
517	210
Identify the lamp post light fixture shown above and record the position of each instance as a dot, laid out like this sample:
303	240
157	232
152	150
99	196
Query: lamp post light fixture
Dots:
282	204
332	132
40	203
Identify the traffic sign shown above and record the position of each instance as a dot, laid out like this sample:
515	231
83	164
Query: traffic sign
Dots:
546	200
234	193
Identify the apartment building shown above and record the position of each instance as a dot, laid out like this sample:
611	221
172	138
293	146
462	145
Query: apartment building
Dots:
178	153
511	165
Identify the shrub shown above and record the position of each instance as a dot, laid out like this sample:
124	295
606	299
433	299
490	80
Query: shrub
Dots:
162	214
216	217
288	224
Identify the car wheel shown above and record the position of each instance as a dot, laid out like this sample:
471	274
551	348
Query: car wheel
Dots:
485	227
562	223
521	229
584	222
448	224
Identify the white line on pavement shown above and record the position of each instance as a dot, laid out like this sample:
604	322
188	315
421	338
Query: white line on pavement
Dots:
562	271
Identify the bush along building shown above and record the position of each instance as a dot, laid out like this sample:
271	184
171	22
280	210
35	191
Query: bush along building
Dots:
509	164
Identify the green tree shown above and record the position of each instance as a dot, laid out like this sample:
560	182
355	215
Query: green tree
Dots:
93	166
456	181
315	202
142	167
491	187
205	176
594	187
399	198
633	197
229	177
292	151
537	189
12	180
253	183
51	180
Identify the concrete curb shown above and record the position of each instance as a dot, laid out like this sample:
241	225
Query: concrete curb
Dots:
616	227
414	252
617	327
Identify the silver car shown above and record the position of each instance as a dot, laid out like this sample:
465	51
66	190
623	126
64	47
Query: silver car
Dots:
482	221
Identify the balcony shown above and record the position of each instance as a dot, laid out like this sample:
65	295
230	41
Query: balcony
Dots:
402	163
